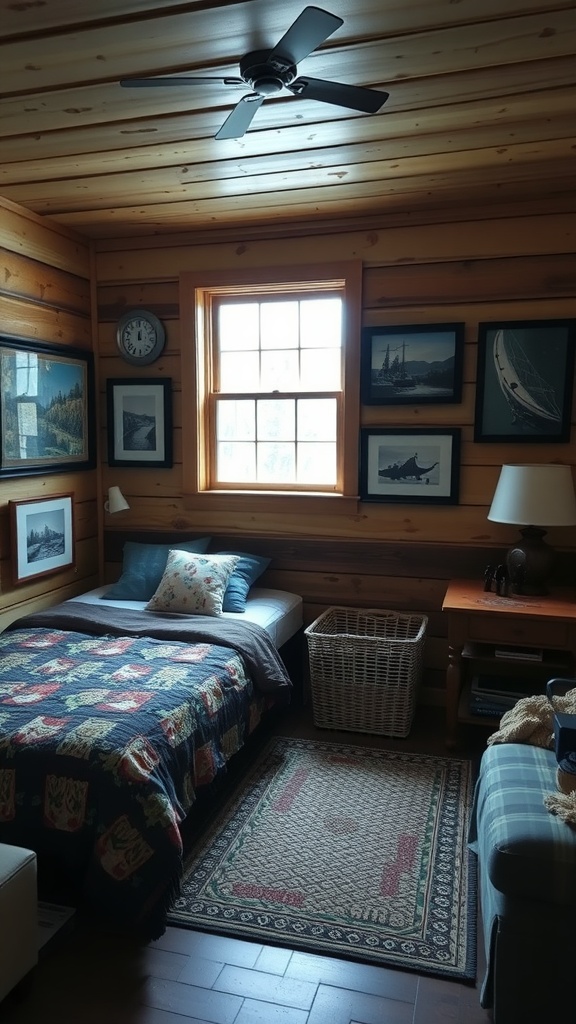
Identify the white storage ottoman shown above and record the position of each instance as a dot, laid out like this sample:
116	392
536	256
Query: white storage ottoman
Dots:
18	915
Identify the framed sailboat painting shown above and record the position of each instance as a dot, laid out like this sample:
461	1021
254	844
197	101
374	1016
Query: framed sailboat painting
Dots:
524	381
414	364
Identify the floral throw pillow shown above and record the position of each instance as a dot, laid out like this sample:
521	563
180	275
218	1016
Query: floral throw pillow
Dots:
193	584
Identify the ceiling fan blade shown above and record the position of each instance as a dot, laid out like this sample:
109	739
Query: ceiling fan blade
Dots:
310	29
178	80
240	119
353	96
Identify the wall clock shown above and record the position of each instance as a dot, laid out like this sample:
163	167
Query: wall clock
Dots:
140	337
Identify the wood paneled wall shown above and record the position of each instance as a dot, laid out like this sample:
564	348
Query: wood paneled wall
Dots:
397	556
45	296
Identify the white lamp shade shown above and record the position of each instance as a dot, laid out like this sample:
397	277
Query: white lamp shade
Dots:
534	495
116	500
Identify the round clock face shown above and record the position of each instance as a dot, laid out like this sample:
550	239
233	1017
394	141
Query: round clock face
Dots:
140	337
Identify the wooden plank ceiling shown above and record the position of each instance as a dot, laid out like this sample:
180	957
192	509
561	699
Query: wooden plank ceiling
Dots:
481	111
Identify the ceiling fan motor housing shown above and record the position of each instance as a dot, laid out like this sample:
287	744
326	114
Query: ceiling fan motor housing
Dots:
266	77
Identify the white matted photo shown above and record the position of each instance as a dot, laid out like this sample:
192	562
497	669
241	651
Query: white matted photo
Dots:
139	422
42	536
410	466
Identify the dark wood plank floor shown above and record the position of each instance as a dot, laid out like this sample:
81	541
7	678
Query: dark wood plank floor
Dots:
92	976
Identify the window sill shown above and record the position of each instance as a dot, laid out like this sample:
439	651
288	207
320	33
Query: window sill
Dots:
268	501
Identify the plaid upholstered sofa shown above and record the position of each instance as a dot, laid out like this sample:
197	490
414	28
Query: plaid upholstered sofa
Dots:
527	883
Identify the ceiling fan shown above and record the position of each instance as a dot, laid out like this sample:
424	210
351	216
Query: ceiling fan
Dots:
267	72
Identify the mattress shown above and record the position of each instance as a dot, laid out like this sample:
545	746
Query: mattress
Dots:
276	611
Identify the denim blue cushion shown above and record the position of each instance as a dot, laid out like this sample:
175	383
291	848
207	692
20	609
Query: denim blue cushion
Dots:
249	568
143	566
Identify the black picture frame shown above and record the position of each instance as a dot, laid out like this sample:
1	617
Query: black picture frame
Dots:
524	381
413	364
47	422
139	415
412	466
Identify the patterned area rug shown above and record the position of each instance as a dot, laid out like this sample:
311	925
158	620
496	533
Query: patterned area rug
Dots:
343	850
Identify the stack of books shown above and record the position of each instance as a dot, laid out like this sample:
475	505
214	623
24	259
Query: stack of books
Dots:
519	653
492	695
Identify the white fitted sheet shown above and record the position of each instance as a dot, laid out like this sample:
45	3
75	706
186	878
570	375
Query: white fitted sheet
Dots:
277	611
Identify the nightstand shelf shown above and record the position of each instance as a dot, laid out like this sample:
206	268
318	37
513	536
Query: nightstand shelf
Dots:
524	675
480	623
465	716
487	652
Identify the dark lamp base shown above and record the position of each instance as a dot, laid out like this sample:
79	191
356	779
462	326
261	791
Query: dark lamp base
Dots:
530	563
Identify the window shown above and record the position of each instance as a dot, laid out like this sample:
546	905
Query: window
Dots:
276	390
276	380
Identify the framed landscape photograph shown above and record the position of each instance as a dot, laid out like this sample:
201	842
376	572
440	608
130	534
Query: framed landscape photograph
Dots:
46	409
42	536
139	422
410	465
417	364
524	381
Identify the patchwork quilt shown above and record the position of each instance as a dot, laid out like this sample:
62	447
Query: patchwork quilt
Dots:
104	741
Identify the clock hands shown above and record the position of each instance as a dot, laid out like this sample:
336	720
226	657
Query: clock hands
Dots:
140	336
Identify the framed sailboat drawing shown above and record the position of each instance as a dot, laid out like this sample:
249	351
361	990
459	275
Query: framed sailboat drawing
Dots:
524	381
414	364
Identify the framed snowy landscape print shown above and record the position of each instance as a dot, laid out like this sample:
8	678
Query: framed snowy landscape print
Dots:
524	380
417	364
42	536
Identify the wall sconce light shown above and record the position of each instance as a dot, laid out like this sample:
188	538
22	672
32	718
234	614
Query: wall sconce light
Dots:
533	497
116	501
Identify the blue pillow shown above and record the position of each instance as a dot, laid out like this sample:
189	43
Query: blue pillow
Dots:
143	566
249	568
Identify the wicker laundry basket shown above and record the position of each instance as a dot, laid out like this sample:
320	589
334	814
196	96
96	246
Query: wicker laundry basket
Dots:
365	667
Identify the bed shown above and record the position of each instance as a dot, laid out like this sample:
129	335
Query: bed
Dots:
114	715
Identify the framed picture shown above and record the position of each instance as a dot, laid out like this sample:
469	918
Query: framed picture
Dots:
410	466
42	536
418	364
46	409
139	422
524	380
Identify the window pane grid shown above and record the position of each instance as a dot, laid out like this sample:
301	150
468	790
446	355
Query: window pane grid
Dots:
278	345
274	396
277	441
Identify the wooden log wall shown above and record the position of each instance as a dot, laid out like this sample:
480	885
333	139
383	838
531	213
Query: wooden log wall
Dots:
45	296
398	556
359	574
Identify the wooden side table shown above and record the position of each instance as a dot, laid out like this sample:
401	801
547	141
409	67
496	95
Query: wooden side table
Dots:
479	623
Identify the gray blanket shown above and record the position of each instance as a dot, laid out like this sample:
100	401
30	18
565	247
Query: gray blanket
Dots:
253	643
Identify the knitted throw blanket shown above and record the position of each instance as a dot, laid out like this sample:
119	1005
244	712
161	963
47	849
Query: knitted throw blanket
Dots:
531	720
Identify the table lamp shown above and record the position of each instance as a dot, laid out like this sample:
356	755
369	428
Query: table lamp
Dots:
534	497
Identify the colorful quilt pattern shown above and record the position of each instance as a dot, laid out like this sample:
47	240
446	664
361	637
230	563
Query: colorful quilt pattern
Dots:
104	742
